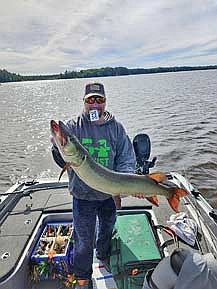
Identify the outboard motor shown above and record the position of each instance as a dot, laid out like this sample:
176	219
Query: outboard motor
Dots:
142	148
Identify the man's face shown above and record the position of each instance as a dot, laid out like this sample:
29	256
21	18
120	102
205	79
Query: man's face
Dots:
95	102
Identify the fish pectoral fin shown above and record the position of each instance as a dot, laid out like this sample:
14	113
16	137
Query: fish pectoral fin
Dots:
153	200
157	177
175	199
65	168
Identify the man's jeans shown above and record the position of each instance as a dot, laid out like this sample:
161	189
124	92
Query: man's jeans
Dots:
85	214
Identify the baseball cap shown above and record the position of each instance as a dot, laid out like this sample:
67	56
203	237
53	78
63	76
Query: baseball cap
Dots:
198	272
162	277
165	275
184	269
94	88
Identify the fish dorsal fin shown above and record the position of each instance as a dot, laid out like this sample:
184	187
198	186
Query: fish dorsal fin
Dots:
158	177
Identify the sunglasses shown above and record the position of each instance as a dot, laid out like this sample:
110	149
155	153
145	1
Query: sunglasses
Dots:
97	99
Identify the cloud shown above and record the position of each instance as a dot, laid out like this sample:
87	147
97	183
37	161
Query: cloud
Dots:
50	36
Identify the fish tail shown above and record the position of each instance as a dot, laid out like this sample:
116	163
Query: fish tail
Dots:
175	199
153	200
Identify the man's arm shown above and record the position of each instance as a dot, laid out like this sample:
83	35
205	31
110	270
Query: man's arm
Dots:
125	160
57	157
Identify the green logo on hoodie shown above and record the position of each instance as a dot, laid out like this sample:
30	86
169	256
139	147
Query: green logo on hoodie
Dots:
99	152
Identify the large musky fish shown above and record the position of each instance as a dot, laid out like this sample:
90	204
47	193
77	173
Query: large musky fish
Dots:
106	180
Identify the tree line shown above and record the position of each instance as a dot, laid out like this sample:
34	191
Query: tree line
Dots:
6	76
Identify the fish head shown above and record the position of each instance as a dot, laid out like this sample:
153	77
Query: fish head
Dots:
67	143
59	137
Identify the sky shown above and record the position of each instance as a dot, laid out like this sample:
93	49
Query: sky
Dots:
52	36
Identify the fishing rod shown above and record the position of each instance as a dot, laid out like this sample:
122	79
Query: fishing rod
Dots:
29	188
27	191
212	213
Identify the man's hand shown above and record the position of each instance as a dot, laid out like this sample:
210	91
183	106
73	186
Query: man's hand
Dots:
117	200
52	140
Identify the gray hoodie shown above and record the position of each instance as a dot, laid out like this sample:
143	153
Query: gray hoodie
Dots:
197	272
107	143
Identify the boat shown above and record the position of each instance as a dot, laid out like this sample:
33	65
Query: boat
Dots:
32	209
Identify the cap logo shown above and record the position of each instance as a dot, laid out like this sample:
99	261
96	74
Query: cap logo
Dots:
95	87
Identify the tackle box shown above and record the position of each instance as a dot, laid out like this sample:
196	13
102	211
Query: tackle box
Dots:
134	248
53	253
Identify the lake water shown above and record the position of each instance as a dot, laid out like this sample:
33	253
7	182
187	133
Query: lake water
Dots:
177	110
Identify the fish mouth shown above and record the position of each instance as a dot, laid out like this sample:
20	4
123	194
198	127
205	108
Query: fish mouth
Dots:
58	133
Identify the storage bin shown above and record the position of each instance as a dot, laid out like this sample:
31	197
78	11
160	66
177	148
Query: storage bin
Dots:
52	256
134	249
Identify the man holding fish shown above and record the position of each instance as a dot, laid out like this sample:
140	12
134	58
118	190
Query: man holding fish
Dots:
100	161
105	141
